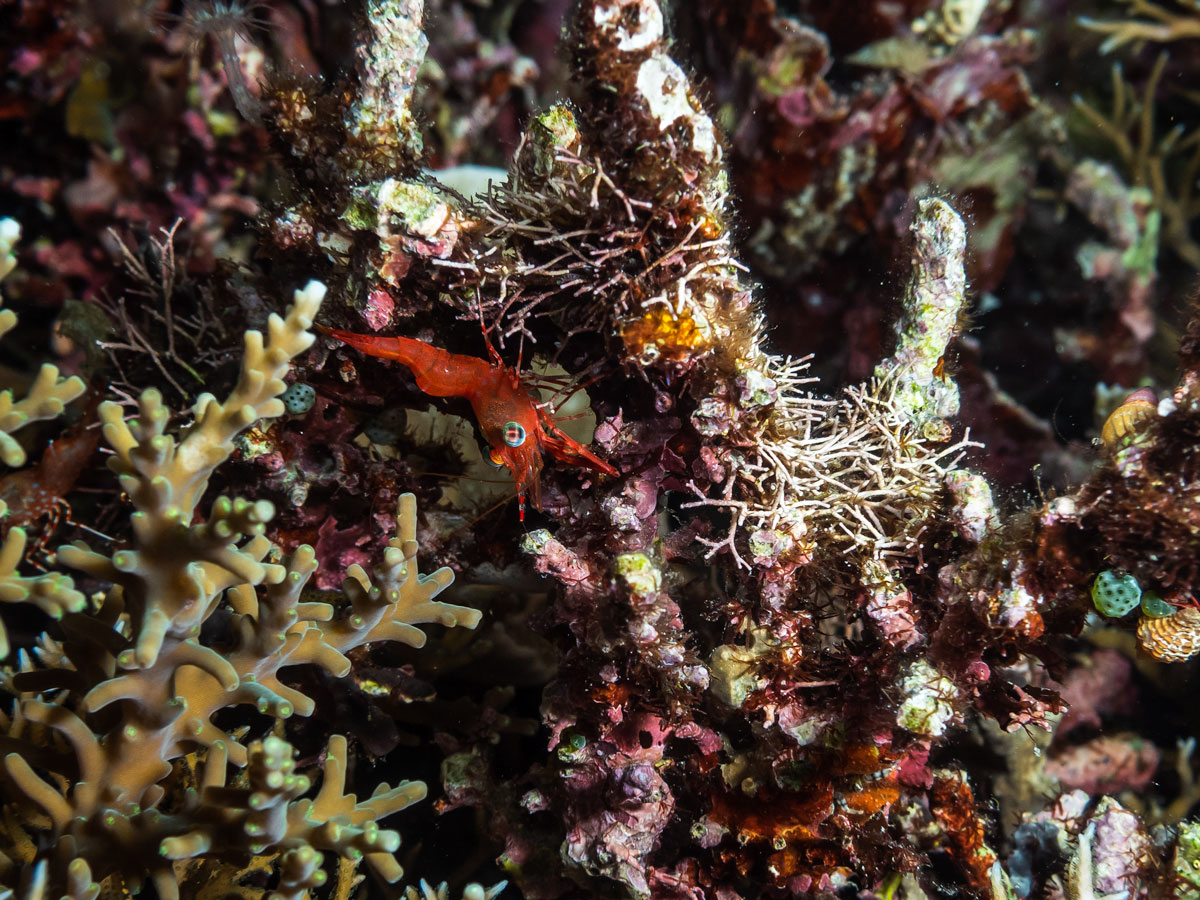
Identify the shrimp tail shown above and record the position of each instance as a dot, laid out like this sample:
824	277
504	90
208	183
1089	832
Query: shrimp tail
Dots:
401	349
438	372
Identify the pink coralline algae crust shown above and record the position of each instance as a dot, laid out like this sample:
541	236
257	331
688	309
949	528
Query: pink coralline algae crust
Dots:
378	311
1105	765
340	548
1100	688
620	802
1122	853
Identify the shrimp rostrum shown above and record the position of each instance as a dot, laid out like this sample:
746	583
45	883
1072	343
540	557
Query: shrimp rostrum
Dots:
517	428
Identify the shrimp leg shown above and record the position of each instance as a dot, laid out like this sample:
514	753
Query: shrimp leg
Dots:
568	450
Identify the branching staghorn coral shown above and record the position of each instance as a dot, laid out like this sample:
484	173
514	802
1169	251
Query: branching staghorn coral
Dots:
165	479
1158	24
108	713
49	393
53	592
442	892
1148	160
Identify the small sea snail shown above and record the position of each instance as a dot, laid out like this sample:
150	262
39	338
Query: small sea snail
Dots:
1173	638
1129	417
298	399
1155	606
1116	594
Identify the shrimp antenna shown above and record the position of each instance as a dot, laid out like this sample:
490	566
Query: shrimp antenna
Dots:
493	353
463	477
91	530
483	515
563	391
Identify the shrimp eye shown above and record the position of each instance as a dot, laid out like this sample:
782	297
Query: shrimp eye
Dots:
496	458
514	434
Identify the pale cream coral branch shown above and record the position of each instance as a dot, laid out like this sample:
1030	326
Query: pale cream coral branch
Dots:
175	570
355	824
48	395
272	811
169	704
390	605
209	441
53	593
10	233
1159	25
472	891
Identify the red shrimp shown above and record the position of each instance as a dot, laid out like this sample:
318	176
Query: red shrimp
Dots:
515	426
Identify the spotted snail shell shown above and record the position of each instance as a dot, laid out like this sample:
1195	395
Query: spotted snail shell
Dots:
1130	416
